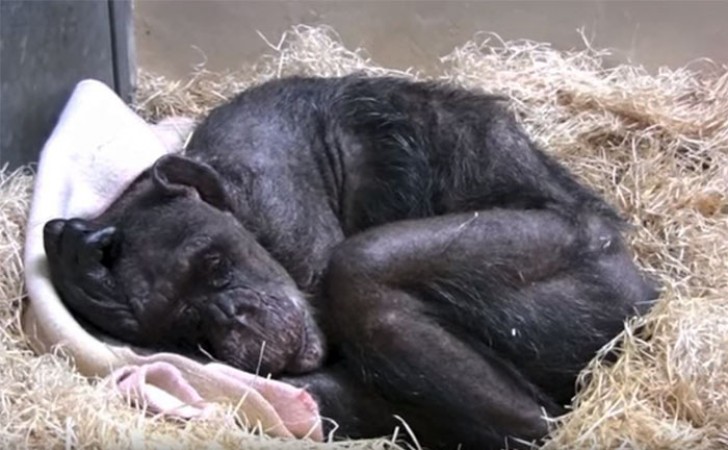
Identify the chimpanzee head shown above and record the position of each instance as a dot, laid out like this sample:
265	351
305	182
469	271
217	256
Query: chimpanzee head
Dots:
169	266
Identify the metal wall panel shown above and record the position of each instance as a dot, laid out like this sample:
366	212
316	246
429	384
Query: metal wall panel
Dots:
46	47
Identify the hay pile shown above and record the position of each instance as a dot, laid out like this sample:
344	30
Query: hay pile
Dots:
655	145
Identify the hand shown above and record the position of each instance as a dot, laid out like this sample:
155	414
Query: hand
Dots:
78	256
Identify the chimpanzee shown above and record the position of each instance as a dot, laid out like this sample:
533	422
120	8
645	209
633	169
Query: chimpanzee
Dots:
400	248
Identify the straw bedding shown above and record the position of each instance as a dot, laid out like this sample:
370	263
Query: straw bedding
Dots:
656	145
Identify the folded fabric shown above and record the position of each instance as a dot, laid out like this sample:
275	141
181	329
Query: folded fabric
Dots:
98	146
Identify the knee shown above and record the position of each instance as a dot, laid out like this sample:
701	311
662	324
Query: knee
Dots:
354	268
369	328
358	300
362	255
344	263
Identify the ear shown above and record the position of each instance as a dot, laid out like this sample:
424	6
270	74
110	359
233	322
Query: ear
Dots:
176	175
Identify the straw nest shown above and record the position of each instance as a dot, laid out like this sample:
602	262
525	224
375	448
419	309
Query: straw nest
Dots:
656	145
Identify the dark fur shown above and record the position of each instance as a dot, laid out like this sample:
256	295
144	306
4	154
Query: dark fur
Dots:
461	276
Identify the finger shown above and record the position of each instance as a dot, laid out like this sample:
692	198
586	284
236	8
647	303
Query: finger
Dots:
71	241
95	244
51	235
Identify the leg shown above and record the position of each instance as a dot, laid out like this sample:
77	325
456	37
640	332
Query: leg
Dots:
425	313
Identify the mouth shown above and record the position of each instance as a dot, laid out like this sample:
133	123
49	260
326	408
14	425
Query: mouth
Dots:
278	333
312	351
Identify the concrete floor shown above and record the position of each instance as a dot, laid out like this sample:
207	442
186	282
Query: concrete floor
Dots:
172	35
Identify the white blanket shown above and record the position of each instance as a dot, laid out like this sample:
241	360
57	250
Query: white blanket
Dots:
98	146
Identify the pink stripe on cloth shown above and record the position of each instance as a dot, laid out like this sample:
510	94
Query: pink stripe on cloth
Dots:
298	411
160	388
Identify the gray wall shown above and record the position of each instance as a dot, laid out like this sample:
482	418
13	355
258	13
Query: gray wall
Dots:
416	32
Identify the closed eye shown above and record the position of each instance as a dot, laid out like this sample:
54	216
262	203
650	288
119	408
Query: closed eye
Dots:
214	268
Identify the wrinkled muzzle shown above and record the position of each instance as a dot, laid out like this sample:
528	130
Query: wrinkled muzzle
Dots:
275	336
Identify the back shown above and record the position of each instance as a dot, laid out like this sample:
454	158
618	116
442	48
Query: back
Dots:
423	149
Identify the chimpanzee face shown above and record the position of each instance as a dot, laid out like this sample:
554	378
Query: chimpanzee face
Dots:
169	266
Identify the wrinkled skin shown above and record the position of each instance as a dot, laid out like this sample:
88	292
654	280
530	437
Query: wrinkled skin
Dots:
460	276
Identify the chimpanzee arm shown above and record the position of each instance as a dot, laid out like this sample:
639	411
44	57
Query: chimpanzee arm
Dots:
433	313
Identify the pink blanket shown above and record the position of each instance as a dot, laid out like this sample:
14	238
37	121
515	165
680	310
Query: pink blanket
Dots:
98	146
